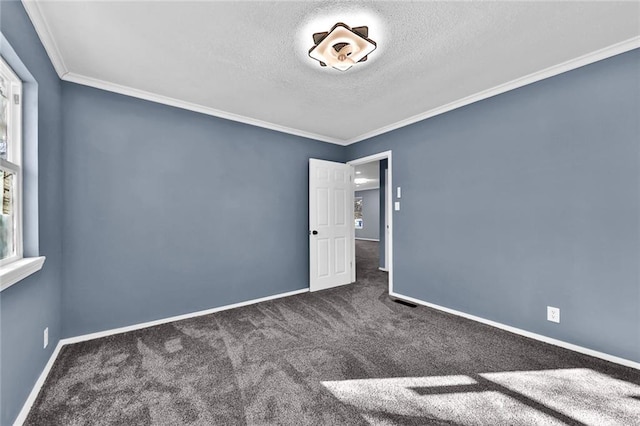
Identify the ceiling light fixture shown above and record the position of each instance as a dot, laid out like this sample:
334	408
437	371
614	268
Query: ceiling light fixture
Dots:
342	46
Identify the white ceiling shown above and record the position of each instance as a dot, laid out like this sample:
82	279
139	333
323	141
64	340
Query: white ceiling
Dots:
248	61
370	172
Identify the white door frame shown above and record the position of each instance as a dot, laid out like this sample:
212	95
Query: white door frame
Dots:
387	202
388	212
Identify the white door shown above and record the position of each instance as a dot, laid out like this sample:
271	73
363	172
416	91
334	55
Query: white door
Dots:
331	225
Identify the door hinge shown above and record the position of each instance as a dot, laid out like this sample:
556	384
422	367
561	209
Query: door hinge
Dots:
16	99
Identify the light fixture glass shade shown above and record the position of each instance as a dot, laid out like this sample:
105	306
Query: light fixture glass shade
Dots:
342	47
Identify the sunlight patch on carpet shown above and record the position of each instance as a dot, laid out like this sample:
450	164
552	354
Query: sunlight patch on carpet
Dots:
586	395
520	397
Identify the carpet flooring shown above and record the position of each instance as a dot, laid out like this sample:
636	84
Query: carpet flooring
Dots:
344	356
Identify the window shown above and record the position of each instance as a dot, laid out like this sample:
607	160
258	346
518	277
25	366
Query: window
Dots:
10	165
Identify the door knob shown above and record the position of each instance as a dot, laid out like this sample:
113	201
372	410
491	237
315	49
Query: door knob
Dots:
314	232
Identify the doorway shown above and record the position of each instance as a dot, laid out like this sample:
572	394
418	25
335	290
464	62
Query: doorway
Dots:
372	174
332	243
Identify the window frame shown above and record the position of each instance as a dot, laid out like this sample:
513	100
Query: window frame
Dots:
13	163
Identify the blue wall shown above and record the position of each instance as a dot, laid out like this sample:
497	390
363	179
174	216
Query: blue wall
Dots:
29	306
524	200
370	214
169	212
528	199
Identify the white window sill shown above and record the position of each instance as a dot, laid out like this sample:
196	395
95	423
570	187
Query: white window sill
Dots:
19	270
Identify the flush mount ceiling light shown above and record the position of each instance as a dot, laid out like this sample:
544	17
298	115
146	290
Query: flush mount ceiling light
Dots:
342	47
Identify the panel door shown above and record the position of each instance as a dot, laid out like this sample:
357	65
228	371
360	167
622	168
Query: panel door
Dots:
331	225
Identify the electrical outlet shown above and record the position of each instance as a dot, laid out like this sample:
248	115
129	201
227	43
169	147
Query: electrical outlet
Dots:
46	337
553	314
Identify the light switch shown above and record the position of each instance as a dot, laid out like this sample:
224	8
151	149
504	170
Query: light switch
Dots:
397	206
399	193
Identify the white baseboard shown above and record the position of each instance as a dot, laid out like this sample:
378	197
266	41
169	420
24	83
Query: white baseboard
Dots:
367	239
139	326
22	416
24	412
383	269
535	336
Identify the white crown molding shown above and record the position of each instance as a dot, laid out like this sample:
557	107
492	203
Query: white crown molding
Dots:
50	46
572	64
153	97
521	332
42	28
598	55
44	32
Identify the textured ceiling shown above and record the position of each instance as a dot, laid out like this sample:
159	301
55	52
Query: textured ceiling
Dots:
248	60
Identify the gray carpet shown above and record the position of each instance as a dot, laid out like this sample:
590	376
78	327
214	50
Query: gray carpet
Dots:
345	356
